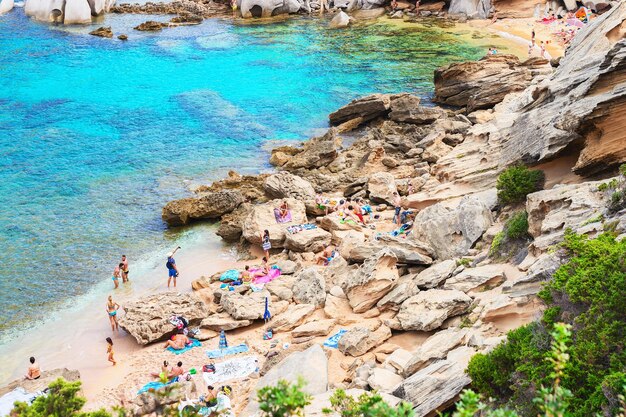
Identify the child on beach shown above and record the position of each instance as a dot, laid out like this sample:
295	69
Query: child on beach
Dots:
110	352
116	275
111	310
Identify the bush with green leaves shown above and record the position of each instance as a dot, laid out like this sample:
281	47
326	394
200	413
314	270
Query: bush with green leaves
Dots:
283	399
368	404
61	400
588	292
516	182
512	237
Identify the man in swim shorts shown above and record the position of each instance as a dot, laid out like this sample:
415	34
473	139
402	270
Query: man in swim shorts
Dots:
172	269
124	264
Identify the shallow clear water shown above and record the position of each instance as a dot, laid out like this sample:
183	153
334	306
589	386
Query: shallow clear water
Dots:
96	135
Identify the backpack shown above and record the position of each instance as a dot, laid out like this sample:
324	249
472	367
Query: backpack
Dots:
169	265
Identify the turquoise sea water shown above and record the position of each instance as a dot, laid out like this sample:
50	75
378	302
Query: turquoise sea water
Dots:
96	135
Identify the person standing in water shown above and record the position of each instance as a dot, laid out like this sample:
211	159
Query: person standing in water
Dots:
116	275
124	266
111	309
110	352
172	269
34	372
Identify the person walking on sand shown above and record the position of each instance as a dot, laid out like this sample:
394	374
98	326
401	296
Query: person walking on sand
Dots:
532	38
110	352
34	372
265	243
116	275
111	309
124	266
397	204
172	269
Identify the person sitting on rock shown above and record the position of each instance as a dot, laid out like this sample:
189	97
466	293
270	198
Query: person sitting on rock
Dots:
265	269
33	370
177	342
284	210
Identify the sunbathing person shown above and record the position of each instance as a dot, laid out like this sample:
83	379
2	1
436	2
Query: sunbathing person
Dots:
265	269
326	256
176	371
177	342
283	211
245	276
164	371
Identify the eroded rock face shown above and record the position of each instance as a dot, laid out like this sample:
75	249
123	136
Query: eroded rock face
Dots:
284	185
67	12
384	380
476	9
150	26
292	317
435	347
6	6
405	288
452	231
436	274
103	32
381	187
408	251
207	206
428	310
262	218
359	340
268	8
316	152
437	385
310	288
551	212
231	224
363	109
477	279
245	307
223	322
372	281
314	328
484	83
147	319
340	20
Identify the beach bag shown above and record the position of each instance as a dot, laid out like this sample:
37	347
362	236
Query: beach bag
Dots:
208	368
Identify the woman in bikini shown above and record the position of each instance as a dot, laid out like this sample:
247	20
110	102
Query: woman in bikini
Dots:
283	210
265	269
245	276
116	275
265	243
111	310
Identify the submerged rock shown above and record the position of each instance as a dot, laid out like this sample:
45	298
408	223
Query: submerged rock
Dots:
150	26
103	32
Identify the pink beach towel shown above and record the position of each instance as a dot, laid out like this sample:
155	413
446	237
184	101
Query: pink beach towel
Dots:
279	219
274	273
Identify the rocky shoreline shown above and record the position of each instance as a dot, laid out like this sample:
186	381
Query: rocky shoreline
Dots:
415	307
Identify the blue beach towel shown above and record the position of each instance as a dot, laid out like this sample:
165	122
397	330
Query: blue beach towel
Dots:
155	385
194	343
333	341
232	350
230	275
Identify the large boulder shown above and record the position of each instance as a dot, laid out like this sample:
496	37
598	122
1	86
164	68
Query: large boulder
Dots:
286	185
428	310
310	365
408	251
316	152
68	12
312	240
267	8
314	328
406	108
436	274
6	6
231	224
452	231
262	217
405	288
381	186
206	206
147	319
438	385
360	340
310	288
477	279
484	83
372	281
292	317
245	307
384	380
340	20
435	347
478	9
362	109
217	322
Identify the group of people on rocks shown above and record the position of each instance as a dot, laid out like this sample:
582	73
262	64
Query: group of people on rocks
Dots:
347	208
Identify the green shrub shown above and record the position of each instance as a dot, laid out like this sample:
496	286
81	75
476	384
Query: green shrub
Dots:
588	292
496	243
369	404
516	182
283	399
61	400
517	226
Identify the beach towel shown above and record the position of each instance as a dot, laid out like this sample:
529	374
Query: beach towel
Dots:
231	369
256	287
18	394
333	341
232	350
194	343
300	227
280	219
154	385
264	279
230	275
